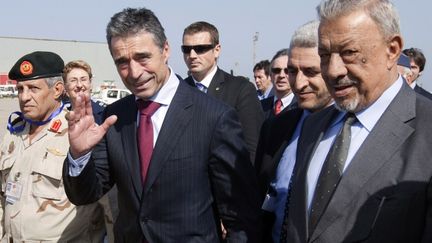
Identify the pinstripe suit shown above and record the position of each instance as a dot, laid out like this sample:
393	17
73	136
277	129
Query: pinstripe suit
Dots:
199	168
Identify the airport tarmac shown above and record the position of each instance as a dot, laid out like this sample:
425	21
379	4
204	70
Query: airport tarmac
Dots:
7	106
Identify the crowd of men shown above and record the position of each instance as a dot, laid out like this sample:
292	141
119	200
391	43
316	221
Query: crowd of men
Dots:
332	144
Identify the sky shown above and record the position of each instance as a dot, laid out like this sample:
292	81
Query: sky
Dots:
237	22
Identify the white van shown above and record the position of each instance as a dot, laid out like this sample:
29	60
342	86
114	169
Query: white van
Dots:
8	90
108	96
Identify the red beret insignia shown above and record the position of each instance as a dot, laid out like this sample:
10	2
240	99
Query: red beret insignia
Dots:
55	126
26	68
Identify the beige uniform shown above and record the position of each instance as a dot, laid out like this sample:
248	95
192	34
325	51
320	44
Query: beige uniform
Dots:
34	205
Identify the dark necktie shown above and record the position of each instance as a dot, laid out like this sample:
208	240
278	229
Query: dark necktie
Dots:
331	172
145	134
278	106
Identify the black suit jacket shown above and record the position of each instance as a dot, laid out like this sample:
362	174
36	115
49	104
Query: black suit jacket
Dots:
240	94
275	136
199	161
423	92
385	194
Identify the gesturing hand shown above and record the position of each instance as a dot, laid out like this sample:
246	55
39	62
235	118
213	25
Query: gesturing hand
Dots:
84	133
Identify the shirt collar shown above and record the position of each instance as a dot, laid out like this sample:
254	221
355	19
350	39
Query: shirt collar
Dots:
207	80
165	95
286	101
370	116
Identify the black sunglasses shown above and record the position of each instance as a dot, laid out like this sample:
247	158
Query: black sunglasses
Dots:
199	49
278	70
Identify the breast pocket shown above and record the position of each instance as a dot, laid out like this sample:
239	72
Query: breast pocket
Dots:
47	176
390	206
6	163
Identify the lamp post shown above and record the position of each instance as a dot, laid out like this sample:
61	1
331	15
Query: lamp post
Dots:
254	41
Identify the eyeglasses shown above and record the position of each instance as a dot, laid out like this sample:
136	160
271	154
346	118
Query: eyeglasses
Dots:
278	70
199	49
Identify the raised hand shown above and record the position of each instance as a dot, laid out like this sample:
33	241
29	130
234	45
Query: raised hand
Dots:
84	133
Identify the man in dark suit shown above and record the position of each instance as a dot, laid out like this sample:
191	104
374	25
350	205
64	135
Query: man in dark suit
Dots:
179	168
201	50
283	98
277	146
417	63
364	171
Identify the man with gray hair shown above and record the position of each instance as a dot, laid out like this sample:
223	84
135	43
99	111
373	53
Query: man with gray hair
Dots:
365	173
283	98
278	141
177	156
34	206
404	68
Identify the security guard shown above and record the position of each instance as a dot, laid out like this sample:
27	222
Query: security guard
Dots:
34	205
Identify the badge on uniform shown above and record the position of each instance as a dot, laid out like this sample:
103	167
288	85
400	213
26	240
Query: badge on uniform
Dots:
55	126
13	191
55	151
11	147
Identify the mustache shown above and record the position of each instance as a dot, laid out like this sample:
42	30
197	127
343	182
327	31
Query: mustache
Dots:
343	82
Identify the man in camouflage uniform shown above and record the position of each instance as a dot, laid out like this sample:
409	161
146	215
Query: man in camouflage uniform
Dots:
34	205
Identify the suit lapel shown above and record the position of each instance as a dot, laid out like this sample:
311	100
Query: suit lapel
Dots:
316	125
386	137
176	120
288	124
216	85
130	146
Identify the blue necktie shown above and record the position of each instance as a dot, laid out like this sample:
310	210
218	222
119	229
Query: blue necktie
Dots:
201	87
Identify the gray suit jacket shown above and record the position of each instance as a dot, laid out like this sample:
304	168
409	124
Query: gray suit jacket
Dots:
385	195
199	173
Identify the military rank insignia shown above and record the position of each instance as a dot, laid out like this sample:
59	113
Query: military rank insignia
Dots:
26	68
55	125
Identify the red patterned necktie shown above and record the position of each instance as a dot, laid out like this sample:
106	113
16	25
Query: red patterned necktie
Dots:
145	134
278	106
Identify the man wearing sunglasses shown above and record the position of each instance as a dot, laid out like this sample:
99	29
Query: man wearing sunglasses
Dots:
201	50
283	98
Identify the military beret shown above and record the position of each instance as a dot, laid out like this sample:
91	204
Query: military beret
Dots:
404	61
39	64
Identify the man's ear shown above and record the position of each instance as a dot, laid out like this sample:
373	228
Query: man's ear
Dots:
58	89
394	49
